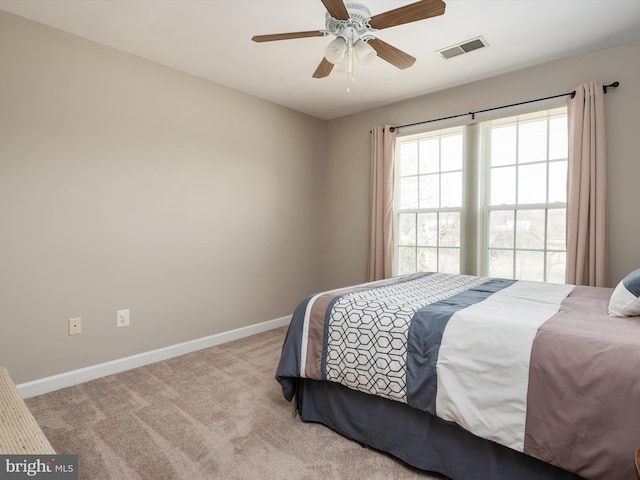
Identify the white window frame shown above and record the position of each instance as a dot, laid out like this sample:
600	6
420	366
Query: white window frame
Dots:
485	187
441	132
474	213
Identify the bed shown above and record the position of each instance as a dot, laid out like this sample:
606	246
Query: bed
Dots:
474	377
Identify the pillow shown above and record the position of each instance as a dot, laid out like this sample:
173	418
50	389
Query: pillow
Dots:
625	301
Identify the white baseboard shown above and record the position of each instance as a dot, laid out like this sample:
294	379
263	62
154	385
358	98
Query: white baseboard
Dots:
74	377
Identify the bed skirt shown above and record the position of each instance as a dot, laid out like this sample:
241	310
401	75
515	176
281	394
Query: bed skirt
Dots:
415	437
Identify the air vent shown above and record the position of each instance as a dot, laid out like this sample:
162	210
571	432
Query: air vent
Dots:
464	47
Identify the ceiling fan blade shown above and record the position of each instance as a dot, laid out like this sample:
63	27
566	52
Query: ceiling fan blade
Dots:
287	36
407	14
324	69
391	54
336	9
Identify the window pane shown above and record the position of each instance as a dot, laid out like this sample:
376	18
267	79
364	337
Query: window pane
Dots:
556	267
406	260
409	192
408	159
503	145
503	186
556	229
532	141
430	155
558	182
558	138
449	229
532	183
530	229
451	148
428	229
429	191
530	265
451	195
407	229
501	228
427	260
449	260
500	263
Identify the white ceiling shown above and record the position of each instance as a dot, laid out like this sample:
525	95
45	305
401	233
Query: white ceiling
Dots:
212	39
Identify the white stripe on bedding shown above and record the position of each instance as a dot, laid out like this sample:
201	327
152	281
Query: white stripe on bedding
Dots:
483	363
305	335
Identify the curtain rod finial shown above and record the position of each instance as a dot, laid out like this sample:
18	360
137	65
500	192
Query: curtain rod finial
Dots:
614	85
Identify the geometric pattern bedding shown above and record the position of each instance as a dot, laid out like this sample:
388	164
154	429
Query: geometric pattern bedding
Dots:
368	332
483	353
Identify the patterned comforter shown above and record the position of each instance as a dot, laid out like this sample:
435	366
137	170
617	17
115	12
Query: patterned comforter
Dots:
539	368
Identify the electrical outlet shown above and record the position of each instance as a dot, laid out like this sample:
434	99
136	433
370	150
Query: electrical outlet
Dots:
122	318
75	326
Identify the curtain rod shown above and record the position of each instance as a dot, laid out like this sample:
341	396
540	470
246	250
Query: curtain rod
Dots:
473	114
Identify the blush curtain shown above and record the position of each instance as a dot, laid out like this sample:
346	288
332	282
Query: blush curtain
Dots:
383	147
587	243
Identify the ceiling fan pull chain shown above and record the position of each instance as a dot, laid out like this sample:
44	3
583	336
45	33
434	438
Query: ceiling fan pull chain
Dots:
350	76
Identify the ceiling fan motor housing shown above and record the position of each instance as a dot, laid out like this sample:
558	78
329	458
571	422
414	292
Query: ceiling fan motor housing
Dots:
355	28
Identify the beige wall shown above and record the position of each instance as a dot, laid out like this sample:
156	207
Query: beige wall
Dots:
348	152
124	184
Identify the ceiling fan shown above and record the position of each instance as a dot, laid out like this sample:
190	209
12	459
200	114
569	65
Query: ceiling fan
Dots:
353	26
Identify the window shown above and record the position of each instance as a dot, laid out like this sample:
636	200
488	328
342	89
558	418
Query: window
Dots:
509	194
429	202
526	195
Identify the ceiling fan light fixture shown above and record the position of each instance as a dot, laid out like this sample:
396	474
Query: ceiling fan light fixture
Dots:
336	50
365	53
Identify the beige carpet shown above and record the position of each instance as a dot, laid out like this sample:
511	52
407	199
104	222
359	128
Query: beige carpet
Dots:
213	414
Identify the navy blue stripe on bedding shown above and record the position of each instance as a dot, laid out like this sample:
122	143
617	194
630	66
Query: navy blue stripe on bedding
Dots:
288	369
425	335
